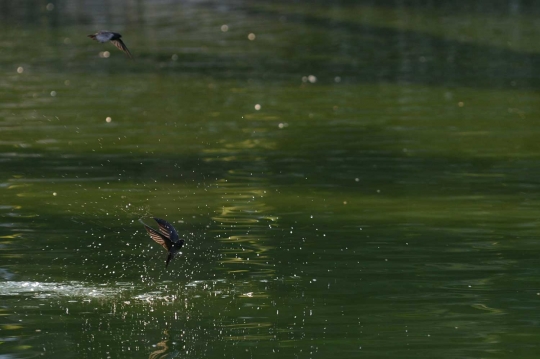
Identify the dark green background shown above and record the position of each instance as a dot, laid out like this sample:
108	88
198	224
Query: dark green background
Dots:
381	203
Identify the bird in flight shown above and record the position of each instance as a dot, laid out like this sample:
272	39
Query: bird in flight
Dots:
114	37
166	237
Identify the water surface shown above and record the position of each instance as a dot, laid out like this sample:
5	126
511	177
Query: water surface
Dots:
353	179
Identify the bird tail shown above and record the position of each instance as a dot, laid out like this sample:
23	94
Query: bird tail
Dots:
169	257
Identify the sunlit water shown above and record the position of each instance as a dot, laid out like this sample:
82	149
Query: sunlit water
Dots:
351	179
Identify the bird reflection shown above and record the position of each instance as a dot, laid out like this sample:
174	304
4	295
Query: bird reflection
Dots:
114	37
167	237
162	346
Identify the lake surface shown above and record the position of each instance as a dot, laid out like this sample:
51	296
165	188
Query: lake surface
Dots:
353	179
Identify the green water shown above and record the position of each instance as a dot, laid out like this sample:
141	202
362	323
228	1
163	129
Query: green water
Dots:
361	179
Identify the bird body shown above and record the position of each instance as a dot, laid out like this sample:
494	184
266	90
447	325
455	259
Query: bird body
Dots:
114	37
167	237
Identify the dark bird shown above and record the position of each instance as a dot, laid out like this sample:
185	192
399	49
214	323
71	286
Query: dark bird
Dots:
114	37
166	237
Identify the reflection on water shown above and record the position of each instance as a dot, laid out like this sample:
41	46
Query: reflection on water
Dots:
161	348
243	219
112	313
242	215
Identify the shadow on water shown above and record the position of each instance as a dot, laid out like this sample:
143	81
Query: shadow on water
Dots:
385	54
356	164
463	7
355	51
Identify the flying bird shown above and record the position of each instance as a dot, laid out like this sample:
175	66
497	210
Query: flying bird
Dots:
167	237
114	37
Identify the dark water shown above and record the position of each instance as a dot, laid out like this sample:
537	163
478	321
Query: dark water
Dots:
358	179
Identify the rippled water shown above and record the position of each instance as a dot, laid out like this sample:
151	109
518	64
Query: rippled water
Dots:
353	179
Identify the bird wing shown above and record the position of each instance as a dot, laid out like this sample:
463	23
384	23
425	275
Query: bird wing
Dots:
167	229
120	44
158	237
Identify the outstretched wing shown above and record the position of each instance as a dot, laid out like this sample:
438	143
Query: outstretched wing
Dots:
167	229
159	238
120	44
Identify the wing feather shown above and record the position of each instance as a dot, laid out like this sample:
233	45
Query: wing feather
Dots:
120	44
167	229
159	238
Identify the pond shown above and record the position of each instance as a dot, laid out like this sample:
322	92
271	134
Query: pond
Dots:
351	178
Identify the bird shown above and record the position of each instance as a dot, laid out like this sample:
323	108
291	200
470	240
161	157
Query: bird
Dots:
166	237
114	37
